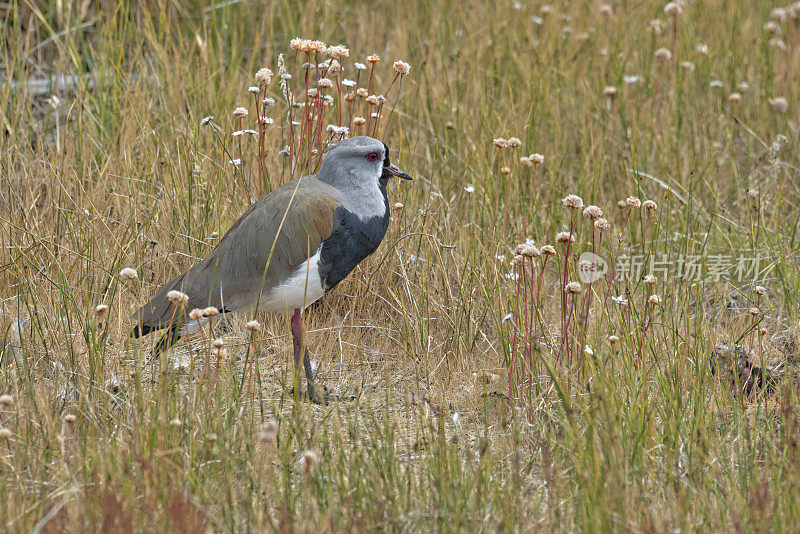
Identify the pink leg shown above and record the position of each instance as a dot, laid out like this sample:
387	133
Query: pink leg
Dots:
297	342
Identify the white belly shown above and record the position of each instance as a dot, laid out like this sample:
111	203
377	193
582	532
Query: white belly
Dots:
299	291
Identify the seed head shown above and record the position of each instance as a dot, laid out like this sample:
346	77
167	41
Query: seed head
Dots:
196	314
734	98
760	290
649	205
253	90
649	279
602	224
211	311
610	91
359	66
673	9
6	400
605	10
264	76
772	27
548	250
398	206
253	326
514	142
101	311
206	120
779	104
565	237
240	112
401	67
505	170
525	161
373	100
592	212
663	54
359	121
633	202
573	202
755	312
537	158
5	434
317	46
613	339
743	87
128	273
688	66
362	92
573	288
324	83
374	58
654	300
778	14
218	343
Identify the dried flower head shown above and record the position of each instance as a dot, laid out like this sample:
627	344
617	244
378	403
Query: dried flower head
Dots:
373	100
264	76
253	326
592	212
743	87
398	206
688	66
755	312
206	120
525	161
253	90
401	67
548	250
673	9
505	170
779	104
734	98
633	202
362	92
374	58
663	54
654	300
218	343
530	251
196	314
5	434
573	202
359	121
514	142
240	112
178	297
359	66
308	460
602	224
613	339
338	51
268	434
101	311
6	400
211	311
772	27
565	237
573	288
760	290
605	10
649	279
128	273
325	83
500	142
537	158
609	91
650	205
779	14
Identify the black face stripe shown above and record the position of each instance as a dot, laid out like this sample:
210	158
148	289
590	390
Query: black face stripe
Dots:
386	161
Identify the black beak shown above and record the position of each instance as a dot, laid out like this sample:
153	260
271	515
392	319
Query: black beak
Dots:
393	170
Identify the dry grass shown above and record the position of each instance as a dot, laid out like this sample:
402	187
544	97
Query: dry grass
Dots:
638	435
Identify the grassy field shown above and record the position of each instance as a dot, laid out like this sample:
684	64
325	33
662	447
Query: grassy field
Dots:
485	396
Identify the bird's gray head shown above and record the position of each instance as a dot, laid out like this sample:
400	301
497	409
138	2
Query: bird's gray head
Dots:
358	162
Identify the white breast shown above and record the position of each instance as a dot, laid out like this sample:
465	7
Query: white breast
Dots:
299	291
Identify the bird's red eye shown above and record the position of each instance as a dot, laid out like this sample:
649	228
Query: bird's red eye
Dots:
373	156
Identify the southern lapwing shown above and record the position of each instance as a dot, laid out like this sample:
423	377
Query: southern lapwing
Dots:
290	248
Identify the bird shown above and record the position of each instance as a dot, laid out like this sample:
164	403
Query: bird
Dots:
287	250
